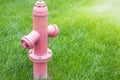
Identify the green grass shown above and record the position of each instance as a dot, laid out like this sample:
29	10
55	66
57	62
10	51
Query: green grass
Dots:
87	48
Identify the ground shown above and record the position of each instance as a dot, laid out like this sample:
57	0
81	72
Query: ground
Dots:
87	48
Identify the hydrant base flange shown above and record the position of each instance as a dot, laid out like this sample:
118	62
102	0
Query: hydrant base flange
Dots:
40	59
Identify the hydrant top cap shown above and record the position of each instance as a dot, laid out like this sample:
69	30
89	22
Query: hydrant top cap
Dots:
40	4
40	9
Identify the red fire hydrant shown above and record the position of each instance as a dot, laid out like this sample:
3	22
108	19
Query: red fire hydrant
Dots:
37	40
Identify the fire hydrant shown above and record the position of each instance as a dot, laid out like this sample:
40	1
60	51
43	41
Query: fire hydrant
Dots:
37	40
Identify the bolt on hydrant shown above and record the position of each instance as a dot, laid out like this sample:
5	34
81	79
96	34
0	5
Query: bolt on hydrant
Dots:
37	40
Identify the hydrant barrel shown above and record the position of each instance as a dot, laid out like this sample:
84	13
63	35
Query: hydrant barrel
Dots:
40	23
40	16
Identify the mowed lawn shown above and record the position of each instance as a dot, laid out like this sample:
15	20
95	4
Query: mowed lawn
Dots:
87	48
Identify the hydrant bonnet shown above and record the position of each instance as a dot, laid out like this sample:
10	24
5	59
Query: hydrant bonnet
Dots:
40	9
